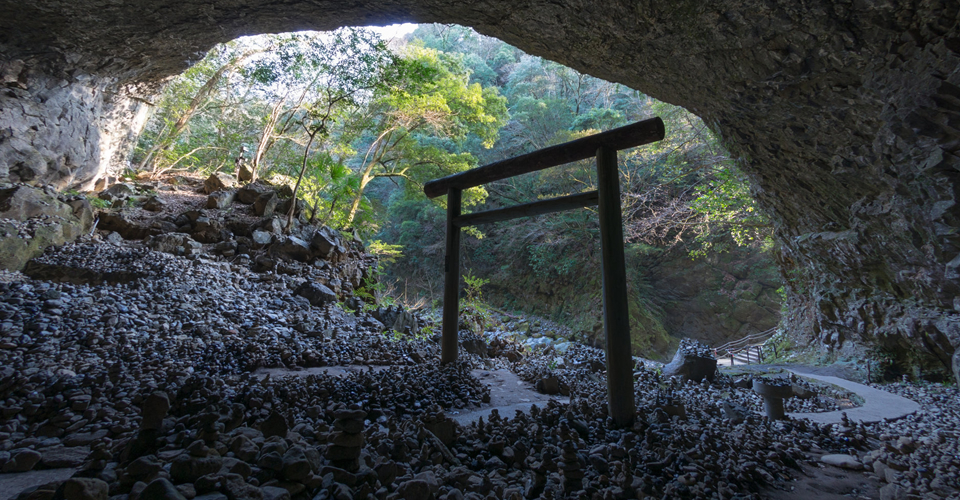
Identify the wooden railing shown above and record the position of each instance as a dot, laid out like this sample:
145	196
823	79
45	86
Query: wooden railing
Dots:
604	147
748	349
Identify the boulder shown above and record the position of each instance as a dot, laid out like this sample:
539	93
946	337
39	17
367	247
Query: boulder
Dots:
115	221
58	457
296	467
291	247
174	243
84	488
83	211
386	315
23	202
284	207
117	192
218	181
396	318
414	489
316	293
221	199
248	194
244	173
548	385
326	242
207	230
406	322
692	361
22	460
161	489
274	425
266	204
16	250
154	204
261	238
474	345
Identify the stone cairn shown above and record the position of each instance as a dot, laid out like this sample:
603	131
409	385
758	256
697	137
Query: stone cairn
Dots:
570	463
347	440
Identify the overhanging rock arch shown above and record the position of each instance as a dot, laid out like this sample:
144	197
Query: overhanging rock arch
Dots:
845	114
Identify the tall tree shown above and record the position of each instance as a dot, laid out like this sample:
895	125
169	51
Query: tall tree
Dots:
223	60
415	126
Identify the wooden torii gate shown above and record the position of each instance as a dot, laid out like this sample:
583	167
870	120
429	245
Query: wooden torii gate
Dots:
616	320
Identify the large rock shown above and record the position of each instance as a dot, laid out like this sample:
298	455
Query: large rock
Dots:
291	247
22	460
221	199
174	243
266	204
36	219
274	425
218	181
249	193
23	202
692	361
130	230
316	293
327	242
84	488
244	173
61	456
161	489
117	192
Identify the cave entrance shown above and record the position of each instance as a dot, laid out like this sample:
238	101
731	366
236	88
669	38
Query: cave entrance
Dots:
616	318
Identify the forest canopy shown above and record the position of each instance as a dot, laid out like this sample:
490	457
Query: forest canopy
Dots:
359	125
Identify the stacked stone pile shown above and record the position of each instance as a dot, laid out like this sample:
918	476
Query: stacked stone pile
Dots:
347	441
145	375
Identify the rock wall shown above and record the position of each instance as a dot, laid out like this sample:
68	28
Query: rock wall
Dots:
66	131
845	114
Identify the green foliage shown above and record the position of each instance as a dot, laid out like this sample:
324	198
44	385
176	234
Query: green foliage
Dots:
375	290
682	192
362	127
99	203
474	314
726	204
474	287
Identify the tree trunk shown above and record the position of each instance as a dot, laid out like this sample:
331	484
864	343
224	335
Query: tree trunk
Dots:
165	141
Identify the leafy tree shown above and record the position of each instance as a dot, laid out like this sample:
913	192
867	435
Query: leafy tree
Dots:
190	94
352	66
415	126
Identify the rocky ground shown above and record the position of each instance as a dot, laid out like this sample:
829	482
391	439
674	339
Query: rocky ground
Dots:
139	362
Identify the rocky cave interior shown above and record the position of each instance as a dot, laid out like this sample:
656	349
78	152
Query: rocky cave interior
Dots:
845	116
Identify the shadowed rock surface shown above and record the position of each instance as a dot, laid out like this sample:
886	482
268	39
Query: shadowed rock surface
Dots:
149	370
844	116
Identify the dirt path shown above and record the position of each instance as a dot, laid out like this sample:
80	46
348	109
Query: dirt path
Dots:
508	393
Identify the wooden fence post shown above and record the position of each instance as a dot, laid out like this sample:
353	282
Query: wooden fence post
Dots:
616	318
451	281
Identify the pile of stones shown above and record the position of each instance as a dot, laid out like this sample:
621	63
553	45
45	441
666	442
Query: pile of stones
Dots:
162	376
